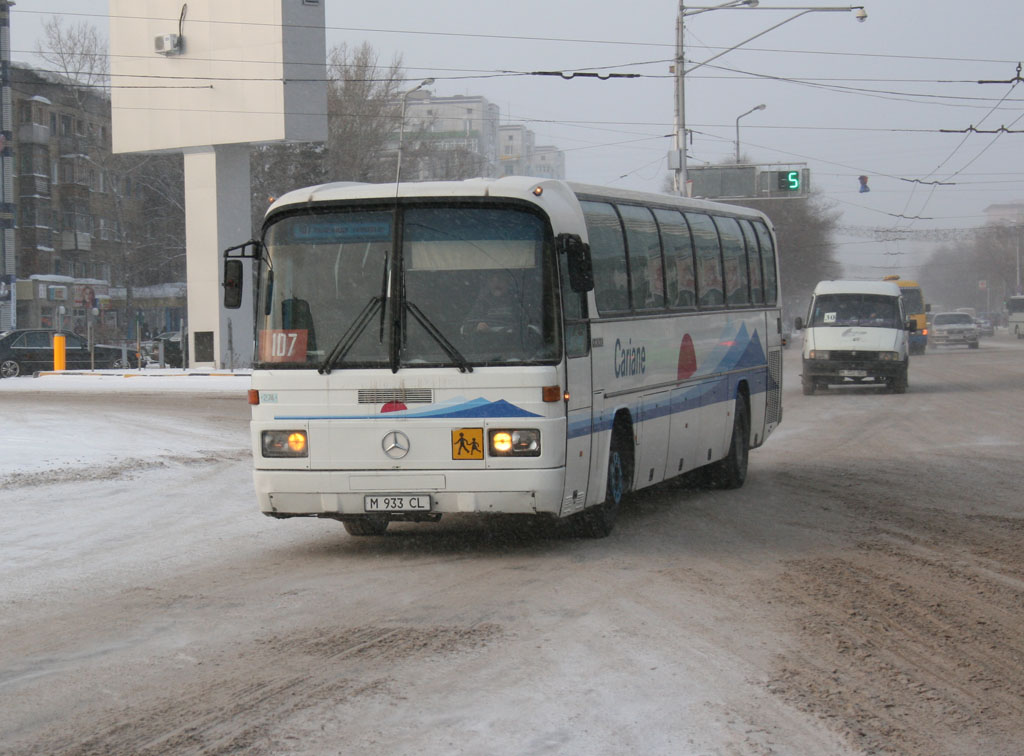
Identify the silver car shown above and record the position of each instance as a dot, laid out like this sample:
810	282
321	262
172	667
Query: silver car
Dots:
953	328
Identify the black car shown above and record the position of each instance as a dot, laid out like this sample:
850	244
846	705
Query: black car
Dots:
25	350
171	341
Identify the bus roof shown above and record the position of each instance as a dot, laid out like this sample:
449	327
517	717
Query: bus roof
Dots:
521	187
884	288
904	283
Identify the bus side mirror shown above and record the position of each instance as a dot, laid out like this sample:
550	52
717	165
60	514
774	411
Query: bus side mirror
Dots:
233	284
911	326
234	271
581	272
927	308
798	323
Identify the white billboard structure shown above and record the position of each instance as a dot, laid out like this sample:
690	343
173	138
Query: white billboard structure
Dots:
210	78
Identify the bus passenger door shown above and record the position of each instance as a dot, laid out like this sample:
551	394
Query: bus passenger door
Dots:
579	409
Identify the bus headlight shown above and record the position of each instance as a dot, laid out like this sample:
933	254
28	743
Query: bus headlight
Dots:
889	356
285	443
818	354
514	443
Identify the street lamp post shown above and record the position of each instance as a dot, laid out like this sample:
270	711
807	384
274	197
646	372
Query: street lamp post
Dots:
677	160
401	127
1019	291
741	115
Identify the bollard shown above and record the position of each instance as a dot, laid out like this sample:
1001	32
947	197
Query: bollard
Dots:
59	351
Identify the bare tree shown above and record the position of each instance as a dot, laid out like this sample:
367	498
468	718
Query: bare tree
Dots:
362	117
953	274
76	52
363	107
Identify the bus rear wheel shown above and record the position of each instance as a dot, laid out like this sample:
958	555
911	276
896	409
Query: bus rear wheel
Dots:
731	472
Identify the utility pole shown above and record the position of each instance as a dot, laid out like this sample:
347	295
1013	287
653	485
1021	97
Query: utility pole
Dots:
8	304
678	162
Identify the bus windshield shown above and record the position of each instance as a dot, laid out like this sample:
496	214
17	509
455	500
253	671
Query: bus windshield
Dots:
913	300
470	285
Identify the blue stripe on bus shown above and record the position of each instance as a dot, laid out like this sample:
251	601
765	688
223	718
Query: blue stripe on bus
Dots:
457	408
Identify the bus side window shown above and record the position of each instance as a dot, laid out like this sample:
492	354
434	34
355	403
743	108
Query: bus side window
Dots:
680	288
710	289
734	259
608	253
764	238
645	269
753	263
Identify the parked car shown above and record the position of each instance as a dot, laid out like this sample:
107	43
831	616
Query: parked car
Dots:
171	341
985	327
23	351
953	328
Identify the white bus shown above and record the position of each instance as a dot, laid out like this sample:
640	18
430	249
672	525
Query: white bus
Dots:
515	345
1015	315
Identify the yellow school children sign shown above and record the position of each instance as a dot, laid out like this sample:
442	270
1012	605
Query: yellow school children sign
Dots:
468	443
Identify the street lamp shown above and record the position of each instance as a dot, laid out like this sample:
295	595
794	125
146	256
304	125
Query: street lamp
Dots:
756	107
401	127
677	158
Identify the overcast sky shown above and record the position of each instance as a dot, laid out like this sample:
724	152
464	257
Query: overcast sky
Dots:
846	98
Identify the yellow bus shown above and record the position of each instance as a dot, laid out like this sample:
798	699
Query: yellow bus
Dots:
917	310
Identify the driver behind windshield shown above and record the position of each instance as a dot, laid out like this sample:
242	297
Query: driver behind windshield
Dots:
496	308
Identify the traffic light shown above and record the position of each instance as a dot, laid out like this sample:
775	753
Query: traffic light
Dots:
788	181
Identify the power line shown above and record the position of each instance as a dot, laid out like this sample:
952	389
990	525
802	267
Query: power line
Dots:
534	38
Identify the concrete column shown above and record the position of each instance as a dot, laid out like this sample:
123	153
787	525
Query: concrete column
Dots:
217	216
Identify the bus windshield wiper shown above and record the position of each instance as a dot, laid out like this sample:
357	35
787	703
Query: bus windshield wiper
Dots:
435	333
349	338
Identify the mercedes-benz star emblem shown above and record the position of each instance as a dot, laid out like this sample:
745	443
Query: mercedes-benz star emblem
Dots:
395	444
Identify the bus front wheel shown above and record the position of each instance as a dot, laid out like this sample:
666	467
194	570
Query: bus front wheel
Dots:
598	521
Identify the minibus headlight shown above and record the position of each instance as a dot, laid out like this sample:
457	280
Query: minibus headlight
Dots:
521	442
818	354
889	356
285	443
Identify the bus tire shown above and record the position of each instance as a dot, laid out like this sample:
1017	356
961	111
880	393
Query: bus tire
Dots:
731	472
366	525
598	521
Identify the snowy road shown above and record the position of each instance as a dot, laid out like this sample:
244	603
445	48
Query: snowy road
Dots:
863	593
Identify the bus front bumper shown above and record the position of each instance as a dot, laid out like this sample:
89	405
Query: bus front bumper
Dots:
295	493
